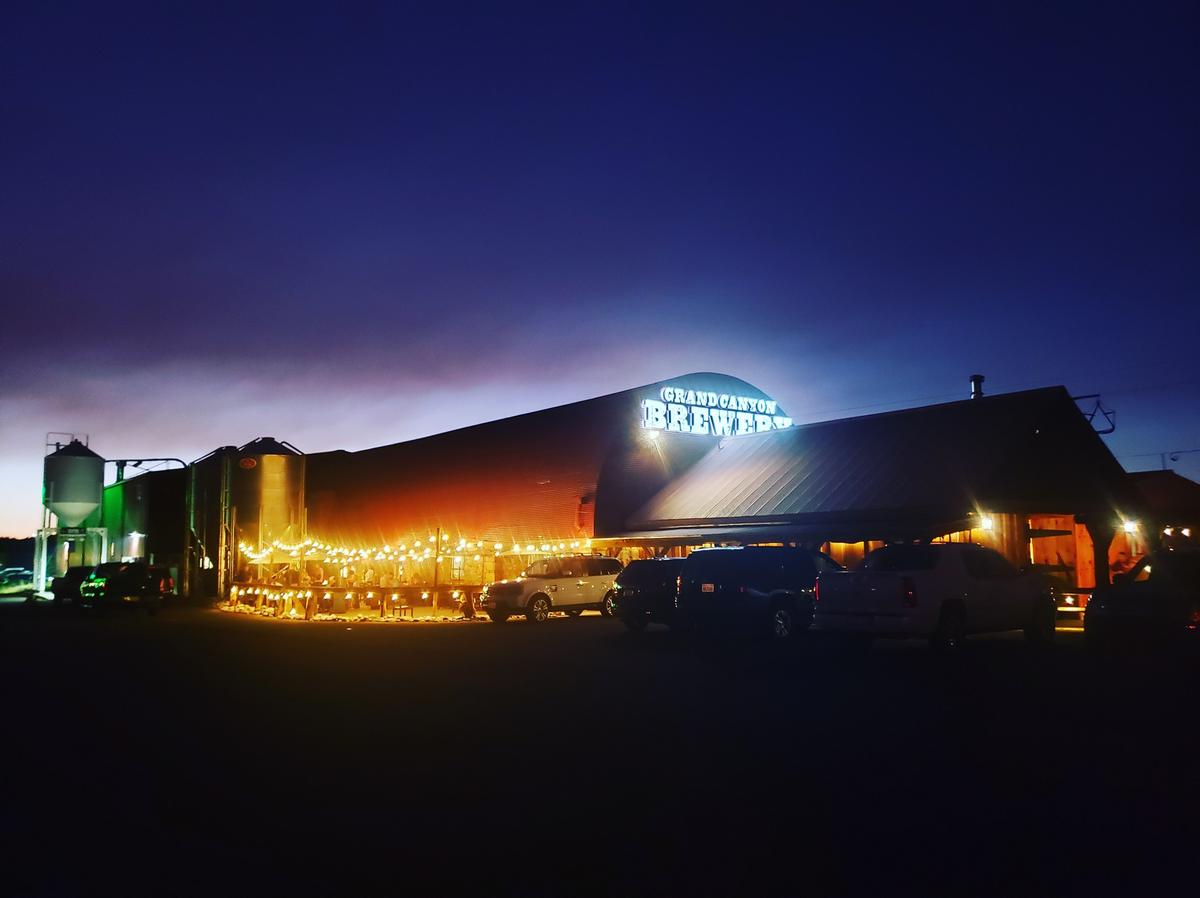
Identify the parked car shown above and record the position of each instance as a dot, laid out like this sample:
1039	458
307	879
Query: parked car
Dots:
644	592
1157	601
65	588
571	583
760	589
16	576
941	592
127	583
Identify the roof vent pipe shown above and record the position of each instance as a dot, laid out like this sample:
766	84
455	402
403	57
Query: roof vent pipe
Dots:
976	386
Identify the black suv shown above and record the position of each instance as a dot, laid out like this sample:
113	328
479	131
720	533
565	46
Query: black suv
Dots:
760	589
644	592
1157	602
128	583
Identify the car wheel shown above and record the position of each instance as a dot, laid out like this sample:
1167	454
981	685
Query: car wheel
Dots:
951	630
497	617
782	622
1040	628
573	612
606	606
538	610
635	623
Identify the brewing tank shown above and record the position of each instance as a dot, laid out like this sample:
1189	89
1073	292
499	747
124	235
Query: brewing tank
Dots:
72	483
268	493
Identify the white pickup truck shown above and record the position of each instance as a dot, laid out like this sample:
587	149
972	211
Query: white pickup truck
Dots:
941	591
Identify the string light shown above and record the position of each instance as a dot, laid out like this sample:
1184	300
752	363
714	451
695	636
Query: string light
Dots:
346	557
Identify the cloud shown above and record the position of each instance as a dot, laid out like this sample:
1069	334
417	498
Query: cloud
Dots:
355	397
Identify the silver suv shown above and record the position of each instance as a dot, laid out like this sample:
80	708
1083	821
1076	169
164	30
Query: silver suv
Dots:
571	583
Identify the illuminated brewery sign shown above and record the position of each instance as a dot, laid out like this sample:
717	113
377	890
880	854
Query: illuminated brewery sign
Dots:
716	414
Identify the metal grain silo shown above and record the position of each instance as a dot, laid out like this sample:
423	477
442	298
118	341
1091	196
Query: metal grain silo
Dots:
268	493
72	483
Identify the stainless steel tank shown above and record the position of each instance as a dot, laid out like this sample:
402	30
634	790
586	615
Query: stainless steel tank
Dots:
268	493
72	483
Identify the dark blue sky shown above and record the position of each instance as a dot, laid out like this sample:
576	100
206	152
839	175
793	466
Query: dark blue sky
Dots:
352	224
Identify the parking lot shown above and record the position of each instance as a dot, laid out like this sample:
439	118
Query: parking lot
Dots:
198	751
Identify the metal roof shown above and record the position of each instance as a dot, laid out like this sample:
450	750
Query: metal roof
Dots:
1167	495
574	470
877	474
74	448
269	446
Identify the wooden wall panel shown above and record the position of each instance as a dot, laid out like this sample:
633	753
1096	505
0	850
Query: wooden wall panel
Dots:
1085	558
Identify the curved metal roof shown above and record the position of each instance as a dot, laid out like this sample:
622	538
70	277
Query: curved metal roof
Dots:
574	470
269	446
1010	452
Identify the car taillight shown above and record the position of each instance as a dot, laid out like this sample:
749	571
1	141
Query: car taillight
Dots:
678	583
1194	620
909	589
817	590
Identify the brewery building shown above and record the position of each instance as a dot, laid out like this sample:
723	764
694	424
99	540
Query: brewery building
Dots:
698	460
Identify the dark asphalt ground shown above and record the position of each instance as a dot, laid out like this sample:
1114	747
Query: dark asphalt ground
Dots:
206	753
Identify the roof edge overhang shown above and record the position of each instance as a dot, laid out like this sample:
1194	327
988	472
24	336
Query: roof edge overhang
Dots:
534	414
909	523
813	519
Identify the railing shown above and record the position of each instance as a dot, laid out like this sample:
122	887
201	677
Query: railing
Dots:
399	600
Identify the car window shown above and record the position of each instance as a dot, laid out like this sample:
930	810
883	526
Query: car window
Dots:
541	569
1181	569
598	565
1142	570
641	573
800	569
825	564
760	568
772	568
638	572
708	563
571	566
1173	568
763	573
985	564
901	558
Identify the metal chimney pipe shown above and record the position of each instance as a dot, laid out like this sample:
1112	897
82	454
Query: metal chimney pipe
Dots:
976	386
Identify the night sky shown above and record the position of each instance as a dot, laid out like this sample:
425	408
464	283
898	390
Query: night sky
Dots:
351	225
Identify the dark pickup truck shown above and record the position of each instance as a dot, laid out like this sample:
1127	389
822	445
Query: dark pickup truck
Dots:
128	584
